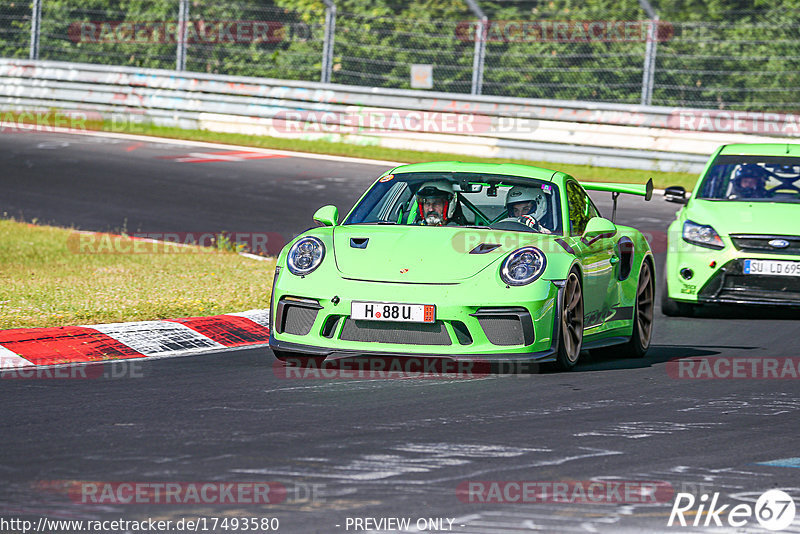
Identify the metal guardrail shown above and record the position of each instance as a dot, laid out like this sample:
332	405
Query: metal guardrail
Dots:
611	135
716	56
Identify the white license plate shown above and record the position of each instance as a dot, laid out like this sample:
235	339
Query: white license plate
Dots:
391	311
771	267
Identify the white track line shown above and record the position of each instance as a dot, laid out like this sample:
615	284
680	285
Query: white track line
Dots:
223	146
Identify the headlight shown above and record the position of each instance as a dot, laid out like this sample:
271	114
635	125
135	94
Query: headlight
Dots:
523	266
305	256
702	235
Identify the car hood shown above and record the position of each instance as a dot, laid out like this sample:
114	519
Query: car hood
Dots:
420	254
767	218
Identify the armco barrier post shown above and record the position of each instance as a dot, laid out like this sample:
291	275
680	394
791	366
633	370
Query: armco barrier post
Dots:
180	45
327	45
649	70
480	47
36	25
649	67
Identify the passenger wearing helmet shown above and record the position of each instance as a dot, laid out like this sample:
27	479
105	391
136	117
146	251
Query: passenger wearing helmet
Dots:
528	206
749	182
437	203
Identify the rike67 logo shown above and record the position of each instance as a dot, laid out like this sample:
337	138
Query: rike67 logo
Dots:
774	510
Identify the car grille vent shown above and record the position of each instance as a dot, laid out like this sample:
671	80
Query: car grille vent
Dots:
462	333
731	284
506	326
330	326
761	244
298	320
502	330
395	332
483	248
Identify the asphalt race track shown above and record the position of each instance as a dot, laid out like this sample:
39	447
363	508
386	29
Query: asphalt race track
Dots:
370	448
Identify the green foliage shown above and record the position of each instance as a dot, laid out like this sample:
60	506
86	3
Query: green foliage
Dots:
15	29
223	242
739	54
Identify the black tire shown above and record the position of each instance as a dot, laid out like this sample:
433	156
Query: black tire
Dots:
570	338
643	315
673	308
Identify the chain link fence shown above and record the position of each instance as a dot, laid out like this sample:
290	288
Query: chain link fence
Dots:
15	30
380	52
750	61
595	51
253	39
133	34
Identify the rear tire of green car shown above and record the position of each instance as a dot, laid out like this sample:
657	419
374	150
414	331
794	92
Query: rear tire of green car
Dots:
674	308
643	314
570	338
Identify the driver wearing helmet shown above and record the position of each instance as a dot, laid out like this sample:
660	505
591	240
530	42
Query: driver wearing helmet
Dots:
437	203
749	182
529	206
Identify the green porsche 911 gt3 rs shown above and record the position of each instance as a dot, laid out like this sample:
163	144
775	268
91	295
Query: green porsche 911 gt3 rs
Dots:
737	239
466	261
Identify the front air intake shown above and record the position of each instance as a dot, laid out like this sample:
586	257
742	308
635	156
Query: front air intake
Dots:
506	326
296	316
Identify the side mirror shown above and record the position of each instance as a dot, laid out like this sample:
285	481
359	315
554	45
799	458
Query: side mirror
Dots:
676	194
327	215
599	227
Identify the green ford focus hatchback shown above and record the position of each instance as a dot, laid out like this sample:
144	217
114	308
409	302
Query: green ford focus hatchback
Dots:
466	261
737	239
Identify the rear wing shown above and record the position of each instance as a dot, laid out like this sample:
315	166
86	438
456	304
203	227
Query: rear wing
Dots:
645	190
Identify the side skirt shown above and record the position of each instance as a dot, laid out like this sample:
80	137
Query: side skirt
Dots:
607	338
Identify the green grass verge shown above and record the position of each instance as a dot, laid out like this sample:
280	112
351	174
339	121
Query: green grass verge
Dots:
582	172
48	279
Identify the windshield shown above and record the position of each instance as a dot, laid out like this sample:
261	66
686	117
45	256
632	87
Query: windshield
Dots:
461	199
753	178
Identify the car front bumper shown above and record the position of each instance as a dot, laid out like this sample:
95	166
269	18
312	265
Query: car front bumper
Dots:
729	285
717	276
519	324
